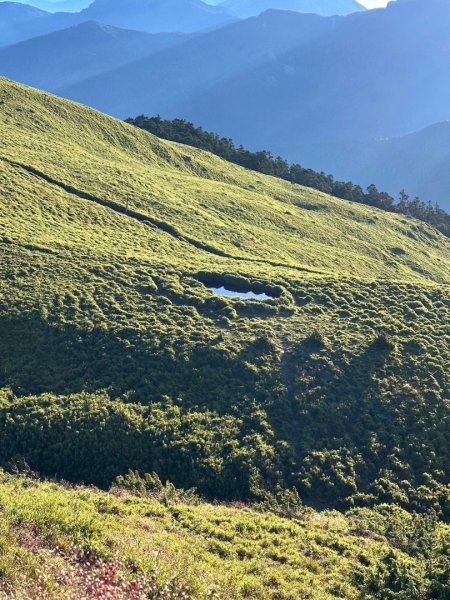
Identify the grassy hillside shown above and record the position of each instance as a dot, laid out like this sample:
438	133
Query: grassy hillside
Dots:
59	542
114	354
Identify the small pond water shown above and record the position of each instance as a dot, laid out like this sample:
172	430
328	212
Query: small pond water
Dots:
222	291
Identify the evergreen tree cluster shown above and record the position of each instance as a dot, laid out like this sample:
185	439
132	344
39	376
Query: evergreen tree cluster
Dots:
184	132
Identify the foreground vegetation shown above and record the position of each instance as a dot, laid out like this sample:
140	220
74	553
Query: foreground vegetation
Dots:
116	354
60	542
179	130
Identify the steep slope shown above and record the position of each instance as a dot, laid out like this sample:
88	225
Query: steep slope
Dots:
72	55
251	8
158	84
111	241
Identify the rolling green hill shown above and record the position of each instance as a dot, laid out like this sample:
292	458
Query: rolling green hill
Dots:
115	354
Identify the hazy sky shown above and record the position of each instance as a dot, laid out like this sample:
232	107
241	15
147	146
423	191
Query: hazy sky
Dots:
368	3
374	3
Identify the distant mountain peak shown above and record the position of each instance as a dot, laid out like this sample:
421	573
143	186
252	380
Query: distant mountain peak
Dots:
247	8
18	8
153	16
152	4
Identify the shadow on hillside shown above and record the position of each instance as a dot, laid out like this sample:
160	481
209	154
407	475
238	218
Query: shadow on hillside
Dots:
338	402
37	357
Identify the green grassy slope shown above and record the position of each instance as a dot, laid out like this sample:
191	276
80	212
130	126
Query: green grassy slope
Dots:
210	200
59	542
116	355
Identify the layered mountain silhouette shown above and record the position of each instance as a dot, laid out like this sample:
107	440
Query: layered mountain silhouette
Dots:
155	16
250	8
418	162
166	83
19	22
71	55
365	76
60	5
378	74
16	13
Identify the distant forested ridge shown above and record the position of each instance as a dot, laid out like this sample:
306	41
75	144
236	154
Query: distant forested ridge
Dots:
184	132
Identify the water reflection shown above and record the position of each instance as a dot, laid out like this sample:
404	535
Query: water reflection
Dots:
222	291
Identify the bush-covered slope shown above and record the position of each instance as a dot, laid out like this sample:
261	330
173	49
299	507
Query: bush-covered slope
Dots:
58	542
114	354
